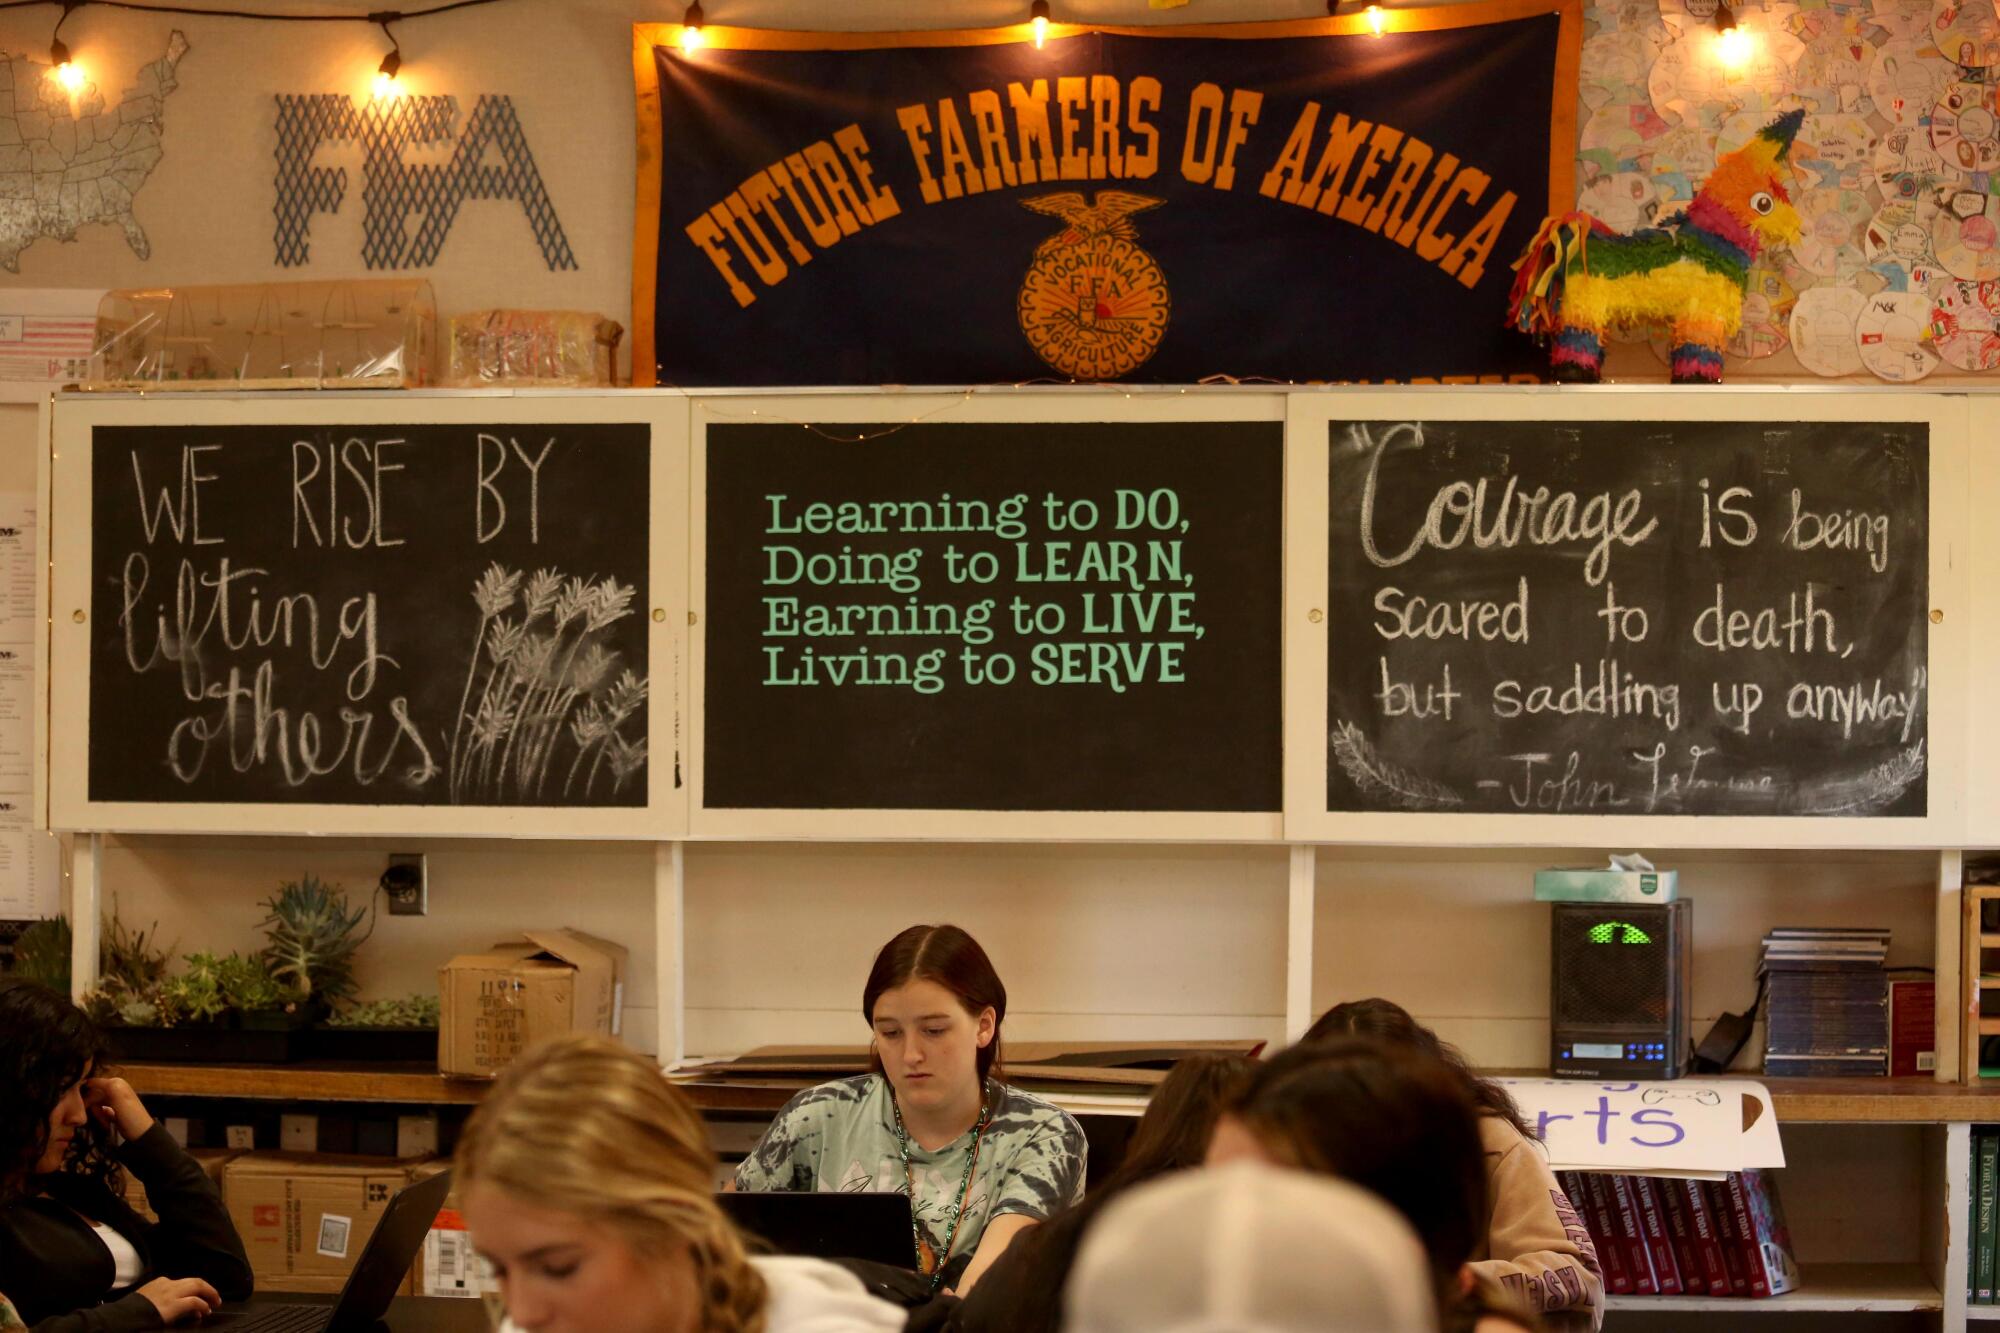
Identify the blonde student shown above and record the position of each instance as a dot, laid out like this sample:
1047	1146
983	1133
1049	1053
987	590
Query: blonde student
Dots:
588	1183
980	1161
1534	1243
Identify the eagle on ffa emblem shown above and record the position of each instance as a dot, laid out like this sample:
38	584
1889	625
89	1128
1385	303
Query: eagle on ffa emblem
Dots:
1094	305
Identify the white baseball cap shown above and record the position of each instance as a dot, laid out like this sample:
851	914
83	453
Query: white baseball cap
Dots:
1248	1248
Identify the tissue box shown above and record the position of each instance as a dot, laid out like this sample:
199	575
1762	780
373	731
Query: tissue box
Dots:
1601	884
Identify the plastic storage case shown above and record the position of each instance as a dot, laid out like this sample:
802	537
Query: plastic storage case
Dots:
375	334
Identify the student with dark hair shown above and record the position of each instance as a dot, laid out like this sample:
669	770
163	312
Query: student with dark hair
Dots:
980	1161
1395	1122
1022	1292
1534	1243
73	1257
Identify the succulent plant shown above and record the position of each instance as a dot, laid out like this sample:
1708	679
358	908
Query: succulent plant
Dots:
249	988
41	953
310	940
193	996
418	1010
128	956
128	963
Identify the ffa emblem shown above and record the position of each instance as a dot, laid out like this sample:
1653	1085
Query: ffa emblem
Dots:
1094	305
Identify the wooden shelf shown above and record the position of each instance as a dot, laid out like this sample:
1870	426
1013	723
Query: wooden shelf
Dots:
1919	1100
1797	1100
1974	1313
1828	1288
417	1082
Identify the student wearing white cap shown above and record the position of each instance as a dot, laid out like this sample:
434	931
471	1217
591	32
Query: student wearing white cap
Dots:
1251	1249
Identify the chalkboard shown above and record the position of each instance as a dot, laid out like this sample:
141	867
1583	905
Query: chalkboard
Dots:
1639	617
405	614
985	616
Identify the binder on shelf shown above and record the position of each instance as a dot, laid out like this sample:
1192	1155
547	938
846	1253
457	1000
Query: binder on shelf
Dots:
1989	1182
1659	1248
1625	1216
1688	1258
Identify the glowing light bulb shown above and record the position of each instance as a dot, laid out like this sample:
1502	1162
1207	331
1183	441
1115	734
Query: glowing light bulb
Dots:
1375	19
65	70
386	83
1041	32
691	39
691	34
1732	47
1038	19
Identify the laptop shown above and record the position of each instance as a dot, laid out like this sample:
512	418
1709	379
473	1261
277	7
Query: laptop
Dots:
875	1227
384	1262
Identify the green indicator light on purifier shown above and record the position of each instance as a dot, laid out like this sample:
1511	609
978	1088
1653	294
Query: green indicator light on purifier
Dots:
1618	932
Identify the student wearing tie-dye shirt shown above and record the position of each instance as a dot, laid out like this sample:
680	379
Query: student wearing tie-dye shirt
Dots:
980	1161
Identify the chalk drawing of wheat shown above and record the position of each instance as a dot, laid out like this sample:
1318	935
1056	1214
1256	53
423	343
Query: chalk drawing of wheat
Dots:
1865	792
541	670
1377	778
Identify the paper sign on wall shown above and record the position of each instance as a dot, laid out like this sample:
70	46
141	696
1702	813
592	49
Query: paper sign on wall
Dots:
1680	1127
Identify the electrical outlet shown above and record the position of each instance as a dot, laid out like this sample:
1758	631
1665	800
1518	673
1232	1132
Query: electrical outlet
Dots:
406	884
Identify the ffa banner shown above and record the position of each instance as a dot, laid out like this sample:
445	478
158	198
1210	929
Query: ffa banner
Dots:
1277	201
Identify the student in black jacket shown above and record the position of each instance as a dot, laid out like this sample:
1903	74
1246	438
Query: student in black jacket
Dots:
73	1257
1023	1291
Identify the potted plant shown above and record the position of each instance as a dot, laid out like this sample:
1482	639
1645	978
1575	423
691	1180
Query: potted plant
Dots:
382	1031
310	941
224	1010
41	953
234	1008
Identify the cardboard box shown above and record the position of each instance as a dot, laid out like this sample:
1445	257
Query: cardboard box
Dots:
212	1160
417	1135
447	1266
498	1003
1599	884
304	1217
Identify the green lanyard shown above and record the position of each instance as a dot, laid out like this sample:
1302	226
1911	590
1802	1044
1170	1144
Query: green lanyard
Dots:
964	1189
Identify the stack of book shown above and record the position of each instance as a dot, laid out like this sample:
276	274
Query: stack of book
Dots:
1660	1237
1985	1181
1827	1006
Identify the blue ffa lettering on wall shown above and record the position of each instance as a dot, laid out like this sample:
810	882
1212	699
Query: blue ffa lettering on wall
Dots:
393	189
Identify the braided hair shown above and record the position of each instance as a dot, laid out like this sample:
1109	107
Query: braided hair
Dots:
585	1125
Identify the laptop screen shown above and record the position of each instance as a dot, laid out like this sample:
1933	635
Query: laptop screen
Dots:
390	1251
826	1226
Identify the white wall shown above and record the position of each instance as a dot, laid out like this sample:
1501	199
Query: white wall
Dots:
1457	939
1094	942
204	893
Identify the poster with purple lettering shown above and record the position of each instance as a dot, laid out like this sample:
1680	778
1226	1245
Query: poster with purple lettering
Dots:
1279	202
1682	1127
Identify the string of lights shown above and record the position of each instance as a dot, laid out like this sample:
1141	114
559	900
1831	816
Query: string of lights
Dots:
71	76
692	20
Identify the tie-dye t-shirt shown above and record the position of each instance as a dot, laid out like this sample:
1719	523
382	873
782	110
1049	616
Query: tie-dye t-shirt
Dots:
842	1136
